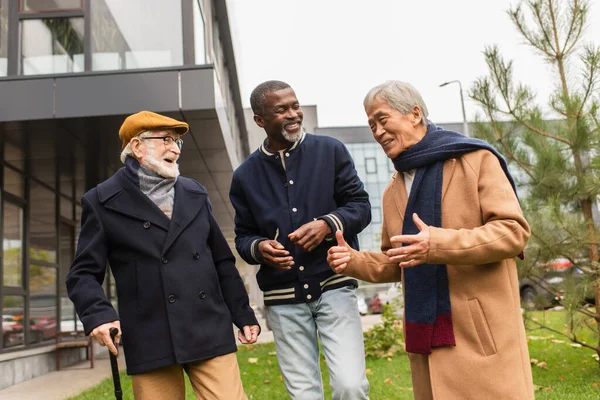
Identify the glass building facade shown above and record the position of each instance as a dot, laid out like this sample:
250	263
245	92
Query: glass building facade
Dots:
375	170
70	72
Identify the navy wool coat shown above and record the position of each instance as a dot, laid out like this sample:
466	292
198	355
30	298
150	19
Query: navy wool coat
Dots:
177	285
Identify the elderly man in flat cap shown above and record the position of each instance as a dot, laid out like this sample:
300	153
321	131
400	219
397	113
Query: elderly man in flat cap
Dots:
178	288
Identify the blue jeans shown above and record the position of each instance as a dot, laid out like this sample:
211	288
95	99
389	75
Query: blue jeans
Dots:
334	319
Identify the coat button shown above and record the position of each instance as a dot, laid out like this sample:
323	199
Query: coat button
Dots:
202	295
146	225
164	260
171	299
196	255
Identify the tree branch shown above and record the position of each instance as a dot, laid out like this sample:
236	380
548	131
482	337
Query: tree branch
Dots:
572	338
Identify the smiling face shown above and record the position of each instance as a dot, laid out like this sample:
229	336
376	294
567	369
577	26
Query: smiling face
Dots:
154	155
394	131
281	118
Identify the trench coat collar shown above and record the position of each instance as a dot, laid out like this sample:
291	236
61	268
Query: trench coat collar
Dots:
121	195
190	198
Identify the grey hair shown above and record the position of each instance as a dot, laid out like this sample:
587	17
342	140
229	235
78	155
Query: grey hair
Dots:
127	150
399	95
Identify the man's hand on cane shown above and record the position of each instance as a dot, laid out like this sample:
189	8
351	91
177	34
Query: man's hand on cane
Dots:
102	335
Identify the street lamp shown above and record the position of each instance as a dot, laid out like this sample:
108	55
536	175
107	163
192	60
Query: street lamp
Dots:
462	102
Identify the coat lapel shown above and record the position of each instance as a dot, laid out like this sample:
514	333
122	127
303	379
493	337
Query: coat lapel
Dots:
400	195
449	166
189	200
122	196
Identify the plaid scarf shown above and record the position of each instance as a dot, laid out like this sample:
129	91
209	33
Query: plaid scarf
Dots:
428	313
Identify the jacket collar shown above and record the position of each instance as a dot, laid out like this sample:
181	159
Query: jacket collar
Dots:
265	151
121	195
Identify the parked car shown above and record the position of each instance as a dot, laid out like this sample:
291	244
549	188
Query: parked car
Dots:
376	305
363	309
41	328
10	335
549	286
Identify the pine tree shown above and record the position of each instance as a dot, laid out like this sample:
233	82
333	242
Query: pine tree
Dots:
555	153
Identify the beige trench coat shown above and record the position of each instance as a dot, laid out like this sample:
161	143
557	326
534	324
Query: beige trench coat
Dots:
483	229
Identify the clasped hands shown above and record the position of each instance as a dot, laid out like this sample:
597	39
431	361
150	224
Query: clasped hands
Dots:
414	254
308	236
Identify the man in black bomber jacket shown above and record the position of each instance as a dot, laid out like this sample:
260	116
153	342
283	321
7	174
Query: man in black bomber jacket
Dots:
290	197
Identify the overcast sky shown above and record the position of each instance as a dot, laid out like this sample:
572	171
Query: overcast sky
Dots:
333	51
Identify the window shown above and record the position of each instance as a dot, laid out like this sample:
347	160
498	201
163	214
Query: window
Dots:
13	314
42	303
42	242
199	33
390	165
12	245
376	215
14	182
68	317
371	165
52	46
50	5
14	151
133	34
3	37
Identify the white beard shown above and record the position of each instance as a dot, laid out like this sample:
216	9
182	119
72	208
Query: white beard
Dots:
158	166
292	138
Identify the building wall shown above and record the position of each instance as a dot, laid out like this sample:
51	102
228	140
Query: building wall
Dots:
58	138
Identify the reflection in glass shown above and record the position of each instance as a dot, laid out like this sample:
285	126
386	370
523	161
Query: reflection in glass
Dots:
136	34
42	243
12	245
68	318
66	207
52	46
14	153
42	303
3	37
42	151
199	34
65	171
13	311
14	182
50	5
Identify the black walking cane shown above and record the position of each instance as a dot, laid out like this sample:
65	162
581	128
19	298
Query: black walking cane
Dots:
114	366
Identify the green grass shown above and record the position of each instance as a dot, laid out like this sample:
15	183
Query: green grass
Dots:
570	373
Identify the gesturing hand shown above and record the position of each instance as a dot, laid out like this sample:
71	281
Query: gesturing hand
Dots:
339	256
417	250
102	335
275	254
310	235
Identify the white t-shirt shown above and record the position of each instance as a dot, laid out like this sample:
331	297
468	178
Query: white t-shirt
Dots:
409	177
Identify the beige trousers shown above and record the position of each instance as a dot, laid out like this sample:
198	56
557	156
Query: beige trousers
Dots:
214	379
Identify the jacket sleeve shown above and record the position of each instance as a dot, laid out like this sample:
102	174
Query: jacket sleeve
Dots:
87	272
247	233
354	209
372	266
504	232
232	286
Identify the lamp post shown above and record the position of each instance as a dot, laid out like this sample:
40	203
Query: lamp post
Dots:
462	103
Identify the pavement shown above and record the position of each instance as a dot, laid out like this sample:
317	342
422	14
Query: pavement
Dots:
70	381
